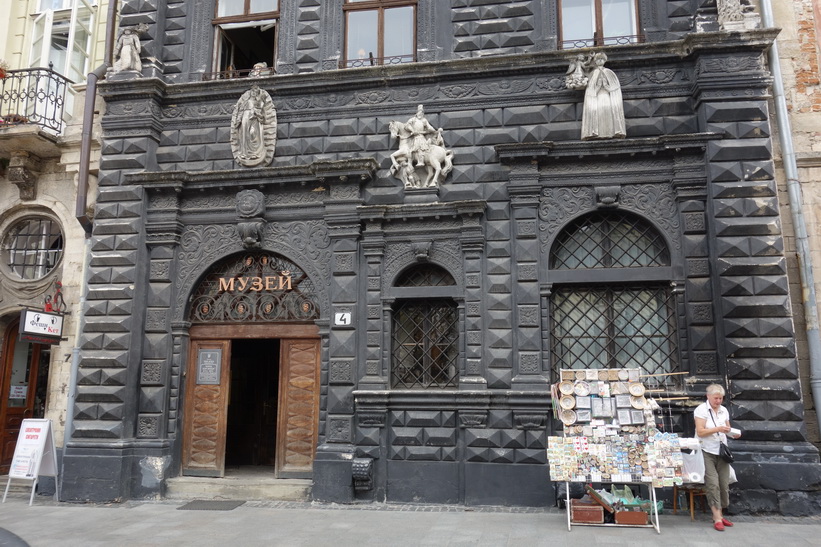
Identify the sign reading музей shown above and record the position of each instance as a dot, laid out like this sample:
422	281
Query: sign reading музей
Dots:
40	327
280	282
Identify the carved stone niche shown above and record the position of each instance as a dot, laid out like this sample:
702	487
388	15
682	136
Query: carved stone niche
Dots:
250	221
254	128
23	170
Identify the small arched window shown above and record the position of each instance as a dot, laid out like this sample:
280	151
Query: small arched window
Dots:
424	331
616	308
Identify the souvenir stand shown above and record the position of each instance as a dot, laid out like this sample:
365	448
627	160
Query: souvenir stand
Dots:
610	437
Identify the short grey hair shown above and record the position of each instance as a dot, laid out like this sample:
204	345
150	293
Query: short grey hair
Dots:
713	389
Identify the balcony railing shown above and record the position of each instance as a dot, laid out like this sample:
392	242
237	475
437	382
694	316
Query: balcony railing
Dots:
607	41
34	96
370	60
239	73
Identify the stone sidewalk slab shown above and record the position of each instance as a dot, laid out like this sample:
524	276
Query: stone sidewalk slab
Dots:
159	523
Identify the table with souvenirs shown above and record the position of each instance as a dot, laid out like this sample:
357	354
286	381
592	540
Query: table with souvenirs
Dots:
610	437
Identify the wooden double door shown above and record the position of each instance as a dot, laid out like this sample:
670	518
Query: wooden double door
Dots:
23	386
251	399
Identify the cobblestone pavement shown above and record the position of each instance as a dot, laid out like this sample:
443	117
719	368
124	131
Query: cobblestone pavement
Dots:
271	523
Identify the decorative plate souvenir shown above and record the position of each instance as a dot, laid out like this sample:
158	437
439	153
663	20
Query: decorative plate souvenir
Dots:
636	390
566	388
582	416
567	417
581	375
582	389
568	375
623	375
612	375
638	402
567	402
603	375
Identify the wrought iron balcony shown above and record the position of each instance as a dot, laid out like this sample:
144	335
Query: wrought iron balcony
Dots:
370	60
34	96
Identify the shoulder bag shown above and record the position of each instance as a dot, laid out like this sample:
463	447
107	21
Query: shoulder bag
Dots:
723	450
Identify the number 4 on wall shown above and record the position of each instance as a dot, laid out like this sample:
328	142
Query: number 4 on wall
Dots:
342	319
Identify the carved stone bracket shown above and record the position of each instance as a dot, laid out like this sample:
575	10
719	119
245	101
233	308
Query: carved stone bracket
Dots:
23	170
250	224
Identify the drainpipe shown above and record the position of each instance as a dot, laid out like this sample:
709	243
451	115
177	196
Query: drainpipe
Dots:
81	205
80	212
796	206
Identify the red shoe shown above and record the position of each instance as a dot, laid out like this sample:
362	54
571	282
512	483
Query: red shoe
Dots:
718	525
726	522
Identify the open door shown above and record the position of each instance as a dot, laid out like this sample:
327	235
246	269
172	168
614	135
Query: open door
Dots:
298	408
206	408
23	382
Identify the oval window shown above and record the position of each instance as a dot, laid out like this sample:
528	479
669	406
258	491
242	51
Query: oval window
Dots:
32	247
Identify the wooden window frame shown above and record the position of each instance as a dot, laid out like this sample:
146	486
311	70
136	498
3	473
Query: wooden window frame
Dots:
246	15
598	37
379	6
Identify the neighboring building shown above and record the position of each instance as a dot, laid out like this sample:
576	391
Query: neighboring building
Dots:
799	46
49	46
273	282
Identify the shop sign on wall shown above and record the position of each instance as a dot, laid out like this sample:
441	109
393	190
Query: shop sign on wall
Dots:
40	326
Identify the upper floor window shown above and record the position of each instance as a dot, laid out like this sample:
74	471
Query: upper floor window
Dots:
245	37
586	23
62	36
379	32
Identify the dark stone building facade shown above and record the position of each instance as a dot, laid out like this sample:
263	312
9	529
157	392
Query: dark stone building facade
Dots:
509	254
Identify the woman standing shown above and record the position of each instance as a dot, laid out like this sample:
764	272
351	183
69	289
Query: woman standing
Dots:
712	426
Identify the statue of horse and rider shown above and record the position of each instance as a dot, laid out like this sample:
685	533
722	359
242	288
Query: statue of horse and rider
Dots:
420	147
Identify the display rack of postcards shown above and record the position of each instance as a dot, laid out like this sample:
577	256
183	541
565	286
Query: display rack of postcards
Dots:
610	436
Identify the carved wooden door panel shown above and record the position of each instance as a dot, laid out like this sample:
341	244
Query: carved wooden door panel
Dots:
298	407
206	408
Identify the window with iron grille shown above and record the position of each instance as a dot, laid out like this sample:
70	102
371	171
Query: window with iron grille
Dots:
32	247
586	23
615	322
425	334
379	32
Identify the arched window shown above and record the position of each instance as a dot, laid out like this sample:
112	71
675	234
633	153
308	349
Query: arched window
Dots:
425	331
613	306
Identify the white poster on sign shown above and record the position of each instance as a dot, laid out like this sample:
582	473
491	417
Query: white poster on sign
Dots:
34	455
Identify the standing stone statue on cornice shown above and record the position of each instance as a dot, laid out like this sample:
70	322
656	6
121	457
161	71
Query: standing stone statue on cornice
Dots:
254	128
128	48
603	114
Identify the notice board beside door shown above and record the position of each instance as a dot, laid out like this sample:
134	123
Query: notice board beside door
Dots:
34	455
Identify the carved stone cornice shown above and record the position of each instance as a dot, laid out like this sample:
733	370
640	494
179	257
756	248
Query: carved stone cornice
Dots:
23	170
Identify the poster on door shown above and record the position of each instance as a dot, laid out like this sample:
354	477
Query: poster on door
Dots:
34	454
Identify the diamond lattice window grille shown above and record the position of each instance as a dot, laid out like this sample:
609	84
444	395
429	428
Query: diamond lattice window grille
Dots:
614	327
425	344
609	240
425	276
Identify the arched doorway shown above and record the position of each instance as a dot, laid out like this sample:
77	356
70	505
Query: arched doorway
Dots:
23	385
252	382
